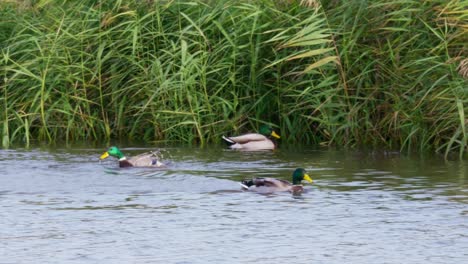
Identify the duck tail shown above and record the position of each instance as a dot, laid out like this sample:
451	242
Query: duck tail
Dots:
247	183
228	141
244	187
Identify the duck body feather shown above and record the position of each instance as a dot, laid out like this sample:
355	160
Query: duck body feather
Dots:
270	185
251	141
142	160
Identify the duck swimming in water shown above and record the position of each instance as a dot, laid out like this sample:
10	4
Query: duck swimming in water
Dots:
271	185
142	160
254	141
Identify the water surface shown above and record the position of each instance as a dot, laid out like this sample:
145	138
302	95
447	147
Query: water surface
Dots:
61	205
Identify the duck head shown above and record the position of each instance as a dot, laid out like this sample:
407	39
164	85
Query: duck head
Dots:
268	131
300	175
114	152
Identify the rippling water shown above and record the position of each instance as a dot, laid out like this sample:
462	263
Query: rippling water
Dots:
63	206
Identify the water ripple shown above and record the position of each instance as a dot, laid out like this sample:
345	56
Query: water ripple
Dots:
62	206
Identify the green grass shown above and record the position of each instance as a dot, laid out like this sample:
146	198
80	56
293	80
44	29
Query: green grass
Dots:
374	73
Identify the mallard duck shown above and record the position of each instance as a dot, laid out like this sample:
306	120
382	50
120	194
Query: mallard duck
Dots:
142	160
254	141
270	185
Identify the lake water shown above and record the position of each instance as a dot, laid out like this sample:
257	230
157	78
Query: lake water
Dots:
61	205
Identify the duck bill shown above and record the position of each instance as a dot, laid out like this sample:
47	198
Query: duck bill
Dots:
104	155
273	134
307	178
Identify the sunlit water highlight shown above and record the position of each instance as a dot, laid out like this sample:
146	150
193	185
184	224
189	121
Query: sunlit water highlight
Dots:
63	206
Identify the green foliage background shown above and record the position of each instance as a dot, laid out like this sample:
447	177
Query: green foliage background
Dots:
378	73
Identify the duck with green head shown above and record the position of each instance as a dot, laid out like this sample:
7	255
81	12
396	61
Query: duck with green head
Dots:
254	141
142	160
271	185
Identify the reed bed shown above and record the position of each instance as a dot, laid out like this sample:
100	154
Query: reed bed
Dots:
378	73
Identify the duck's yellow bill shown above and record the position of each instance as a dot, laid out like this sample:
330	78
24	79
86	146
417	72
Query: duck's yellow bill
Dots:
104	155
273	134
307	178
